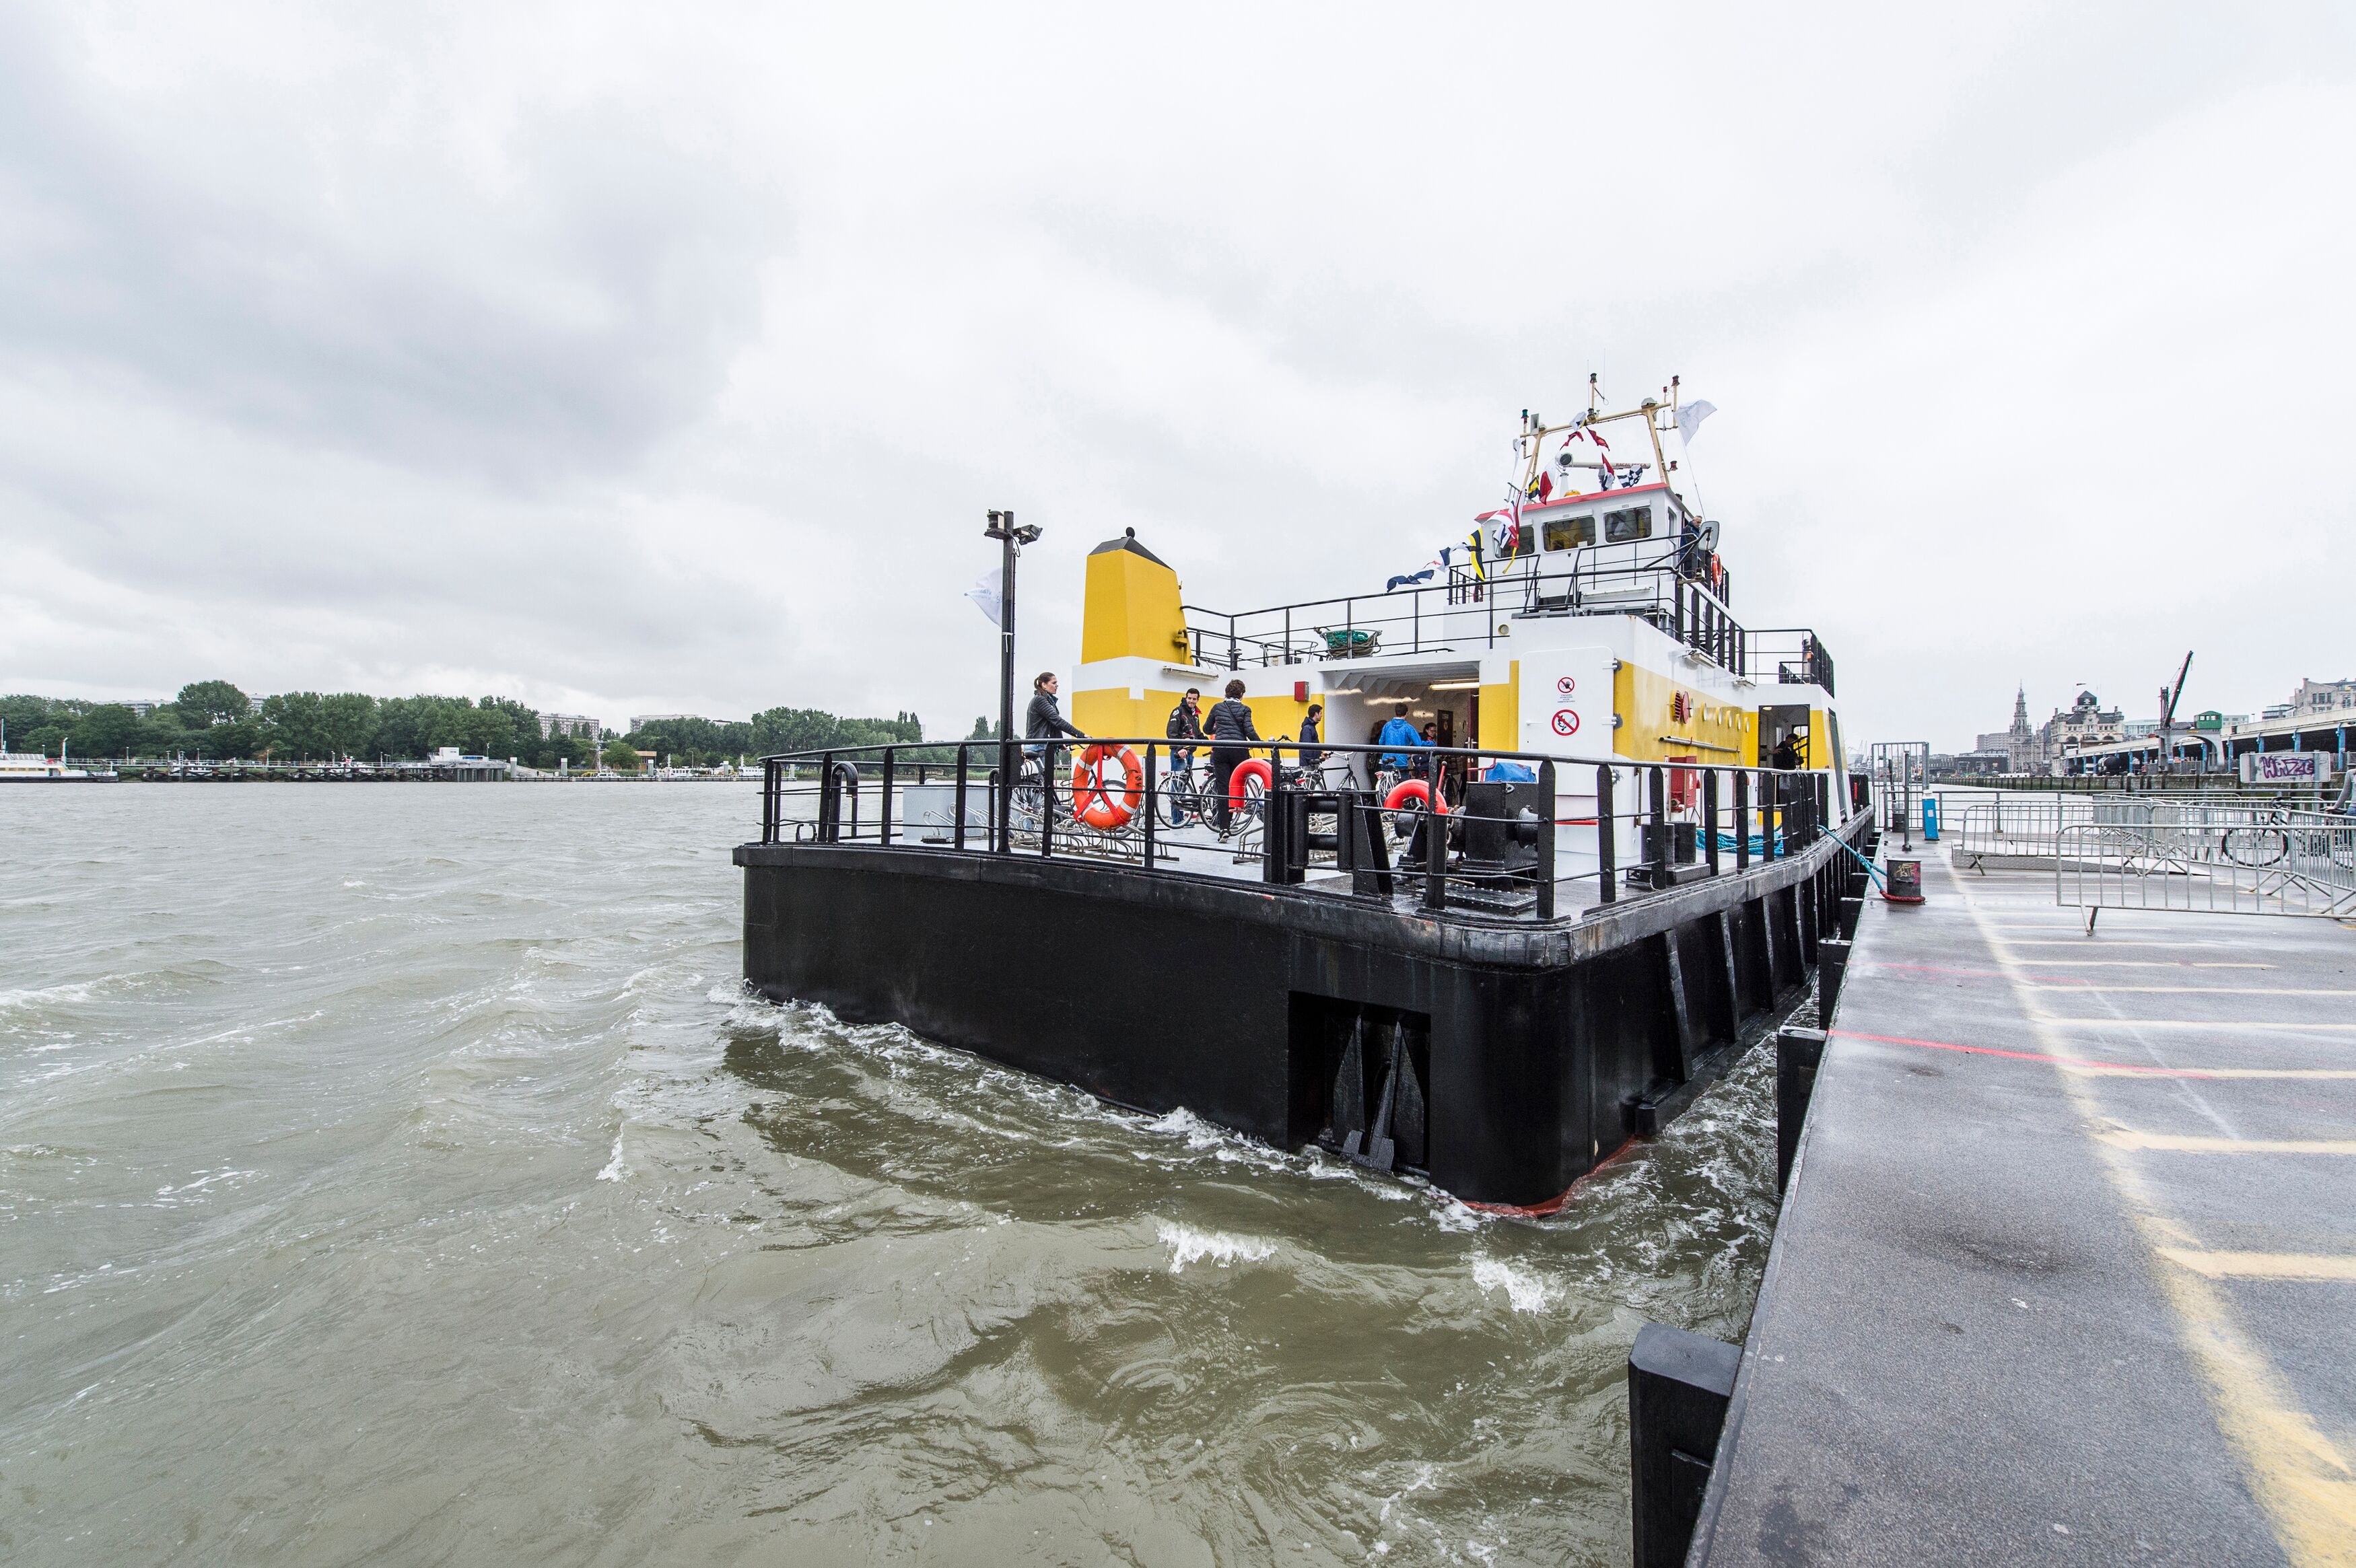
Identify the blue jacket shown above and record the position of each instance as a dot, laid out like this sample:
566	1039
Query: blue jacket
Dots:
1399	732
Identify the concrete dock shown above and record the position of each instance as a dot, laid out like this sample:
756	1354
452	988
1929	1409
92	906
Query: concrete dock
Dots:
2067	1268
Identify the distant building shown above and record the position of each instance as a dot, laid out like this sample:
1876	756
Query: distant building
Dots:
2276	710
575	726
2085	722
2324	697
146	709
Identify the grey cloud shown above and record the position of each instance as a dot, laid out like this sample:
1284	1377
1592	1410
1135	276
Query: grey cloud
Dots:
283	318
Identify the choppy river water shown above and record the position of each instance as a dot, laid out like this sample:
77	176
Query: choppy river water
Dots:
397	1174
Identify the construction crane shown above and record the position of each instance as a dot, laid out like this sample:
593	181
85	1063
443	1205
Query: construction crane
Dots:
2168	696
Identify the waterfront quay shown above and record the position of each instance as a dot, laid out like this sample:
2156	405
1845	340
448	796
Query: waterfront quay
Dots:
2067	1261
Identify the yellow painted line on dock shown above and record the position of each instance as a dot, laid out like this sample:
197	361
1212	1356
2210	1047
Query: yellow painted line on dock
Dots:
2187	990
2261	1265
2178	1143
2140	964
2184	1023
2301	1481
2119	1069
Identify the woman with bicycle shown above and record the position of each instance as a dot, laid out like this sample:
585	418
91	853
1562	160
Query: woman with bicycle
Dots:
1230	723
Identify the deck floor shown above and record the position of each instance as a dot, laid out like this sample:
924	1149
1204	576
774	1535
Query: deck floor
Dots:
2067	1272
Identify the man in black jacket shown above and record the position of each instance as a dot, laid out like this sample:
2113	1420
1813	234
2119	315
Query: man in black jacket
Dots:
1230	726
1185	724
1042	725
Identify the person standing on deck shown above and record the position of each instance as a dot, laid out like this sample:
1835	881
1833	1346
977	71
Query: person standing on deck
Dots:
1045	722
1185	724
1401	731
1230	725
1312	727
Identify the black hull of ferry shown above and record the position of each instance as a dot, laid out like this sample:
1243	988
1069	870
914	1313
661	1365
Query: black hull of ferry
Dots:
1535	1050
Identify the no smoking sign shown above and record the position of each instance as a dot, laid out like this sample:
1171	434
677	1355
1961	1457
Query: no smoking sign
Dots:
1566	720
1566	685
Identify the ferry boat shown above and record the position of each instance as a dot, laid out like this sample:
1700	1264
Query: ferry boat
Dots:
32	767
1489	960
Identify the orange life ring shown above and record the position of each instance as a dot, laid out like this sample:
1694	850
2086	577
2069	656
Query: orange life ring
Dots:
1094	804
1414	789
1259	768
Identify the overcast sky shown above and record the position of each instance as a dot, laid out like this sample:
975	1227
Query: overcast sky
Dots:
665	358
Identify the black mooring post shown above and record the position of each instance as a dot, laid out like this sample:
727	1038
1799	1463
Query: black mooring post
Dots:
1798	1053
1546	841
956	834
1852	910
884	823
1435	859
1709	818
1741	822
1151	753
1607	872
1656	831
1832	968
1680	1384
830	807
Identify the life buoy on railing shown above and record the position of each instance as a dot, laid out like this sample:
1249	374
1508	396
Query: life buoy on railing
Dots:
1094	804
1414	789
1253	767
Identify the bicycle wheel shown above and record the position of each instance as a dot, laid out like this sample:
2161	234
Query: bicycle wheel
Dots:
1176	800
2255	846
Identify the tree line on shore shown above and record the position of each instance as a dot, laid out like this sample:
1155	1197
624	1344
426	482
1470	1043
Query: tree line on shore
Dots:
215	720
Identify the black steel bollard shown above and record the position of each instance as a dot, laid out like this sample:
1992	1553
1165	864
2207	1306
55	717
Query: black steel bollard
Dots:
1798	1053
1678	1386
1852	910
1832	963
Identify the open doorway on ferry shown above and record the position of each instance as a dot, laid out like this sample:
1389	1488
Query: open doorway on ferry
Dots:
1779	723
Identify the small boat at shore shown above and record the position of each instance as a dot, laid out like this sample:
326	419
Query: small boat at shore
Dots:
1488	957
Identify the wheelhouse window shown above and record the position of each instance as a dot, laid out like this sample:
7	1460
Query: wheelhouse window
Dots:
1628	522
1570	533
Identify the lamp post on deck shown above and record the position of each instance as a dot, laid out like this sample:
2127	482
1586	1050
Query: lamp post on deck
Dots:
1011	540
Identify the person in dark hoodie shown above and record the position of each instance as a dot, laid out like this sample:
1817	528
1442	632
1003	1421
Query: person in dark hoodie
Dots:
1185	724
1230	724
1042	725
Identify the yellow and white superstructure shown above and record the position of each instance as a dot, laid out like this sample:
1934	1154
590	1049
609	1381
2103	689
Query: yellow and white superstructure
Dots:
1591	623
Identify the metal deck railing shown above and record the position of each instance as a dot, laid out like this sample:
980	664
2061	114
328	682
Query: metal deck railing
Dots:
1574	832
1466	612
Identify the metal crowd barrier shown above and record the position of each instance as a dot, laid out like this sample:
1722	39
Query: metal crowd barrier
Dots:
2278	862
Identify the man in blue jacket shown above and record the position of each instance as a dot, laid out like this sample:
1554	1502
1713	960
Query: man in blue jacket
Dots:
1399	731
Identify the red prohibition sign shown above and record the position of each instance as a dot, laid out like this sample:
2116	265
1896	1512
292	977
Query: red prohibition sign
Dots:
1565	721
1566	685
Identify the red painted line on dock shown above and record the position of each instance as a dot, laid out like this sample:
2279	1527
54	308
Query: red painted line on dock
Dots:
2029	1056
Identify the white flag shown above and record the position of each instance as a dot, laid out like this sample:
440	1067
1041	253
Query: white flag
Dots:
1690	416
984	594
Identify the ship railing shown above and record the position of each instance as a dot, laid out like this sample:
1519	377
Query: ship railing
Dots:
1522	835
1463	613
